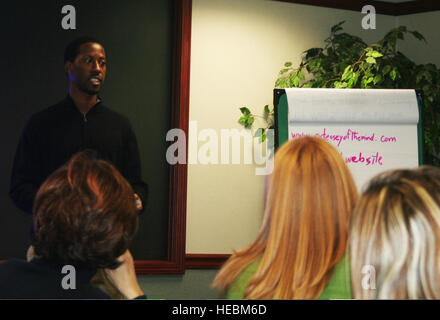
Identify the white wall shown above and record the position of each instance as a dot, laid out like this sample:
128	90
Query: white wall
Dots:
428	24
237	50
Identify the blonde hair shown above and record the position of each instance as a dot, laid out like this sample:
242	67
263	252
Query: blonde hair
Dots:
305	227
396	232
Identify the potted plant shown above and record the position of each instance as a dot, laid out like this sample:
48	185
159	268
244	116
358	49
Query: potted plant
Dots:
346	61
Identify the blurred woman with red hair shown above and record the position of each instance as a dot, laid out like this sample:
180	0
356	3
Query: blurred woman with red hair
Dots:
85	218
300	250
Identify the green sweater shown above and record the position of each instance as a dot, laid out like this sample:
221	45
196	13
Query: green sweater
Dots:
339	286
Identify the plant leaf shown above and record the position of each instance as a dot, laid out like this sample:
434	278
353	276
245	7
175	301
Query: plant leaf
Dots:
371	60
386	69
278	82
377	79
347	73
266	109
313	52
245	111
393	74
337	27
418	35
258	132
249	122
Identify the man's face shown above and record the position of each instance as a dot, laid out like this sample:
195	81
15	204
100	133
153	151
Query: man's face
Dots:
87	71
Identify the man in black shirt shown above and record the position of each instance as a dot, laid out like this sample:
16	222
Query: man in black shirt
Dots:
81	121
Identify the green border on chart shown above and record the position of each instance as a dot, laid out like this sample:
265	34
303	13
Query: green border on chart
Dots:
283	122
420	131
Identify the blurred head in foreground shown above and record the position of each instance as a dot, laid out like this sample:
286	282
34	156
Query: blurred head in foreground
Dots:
304	233
84	214
395	236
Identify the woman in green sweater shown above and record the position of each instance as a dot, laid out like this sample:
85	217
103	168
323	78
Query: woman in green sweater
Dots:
300	250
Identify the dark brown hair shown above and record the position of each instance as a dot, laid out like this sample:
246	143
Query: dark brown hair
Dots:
84	214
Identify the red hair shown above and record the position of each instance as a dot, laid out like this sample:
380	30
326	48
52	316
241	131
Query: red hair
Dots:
84	214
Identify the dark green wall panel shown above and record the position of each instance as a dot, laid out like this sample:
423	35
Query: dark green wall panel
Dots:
137	36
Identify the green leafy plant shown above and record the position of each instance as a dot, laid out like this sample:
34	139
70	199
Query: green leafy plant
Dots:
247	119
346	61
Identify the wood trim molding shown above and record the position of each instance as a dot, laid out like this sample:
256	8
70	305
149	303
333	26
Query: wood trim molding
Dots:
381	7
205	261
178	173
386	8
419	6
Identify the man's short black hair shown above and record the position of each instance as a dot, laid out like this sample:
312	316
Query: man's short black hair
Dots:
72	48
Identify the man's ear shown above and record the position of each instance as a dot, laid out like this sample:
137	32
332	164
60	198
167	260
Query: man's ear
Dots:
68	68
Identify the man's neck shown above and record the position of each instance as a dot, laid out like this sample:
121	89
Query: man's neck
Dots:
83	101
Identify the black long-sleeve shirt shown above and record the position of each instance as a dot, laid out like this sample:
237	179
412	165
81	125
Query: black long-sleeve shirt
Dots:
42	279
53	135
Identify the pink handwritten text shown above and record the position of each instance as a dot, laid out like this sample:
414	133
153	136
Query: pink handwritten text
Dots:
351	135
370	160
